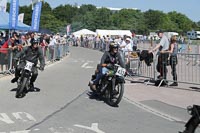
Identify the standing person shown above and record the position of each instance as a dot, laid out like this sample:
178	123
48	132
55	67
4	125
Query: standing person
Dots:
162	57
173	50
4	50
127	50
51	46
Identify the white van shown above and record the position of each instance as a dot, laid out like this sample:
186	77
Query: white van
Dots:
170	34
193	35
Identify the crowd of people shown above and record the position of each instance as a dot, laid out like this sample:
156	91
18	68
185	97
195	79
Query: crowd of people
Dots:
10	45
167	49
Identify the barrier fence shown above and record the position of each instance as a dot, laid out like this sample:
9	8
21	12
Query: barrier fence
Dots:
51	54
187	69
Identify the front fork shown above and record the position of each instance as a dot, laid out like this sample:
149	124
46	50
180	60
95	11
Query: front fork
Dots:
113	83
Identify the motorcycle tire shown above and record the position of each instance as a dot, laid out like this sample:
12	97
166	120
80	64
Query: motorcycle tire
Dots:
192	125
114	99
21	87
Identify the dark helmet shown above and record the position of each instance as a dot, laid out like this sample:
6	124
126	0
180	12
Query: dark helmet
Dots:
35	41
113	45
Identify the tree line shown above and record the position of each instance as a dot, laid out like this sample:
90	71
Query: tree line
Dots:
90	17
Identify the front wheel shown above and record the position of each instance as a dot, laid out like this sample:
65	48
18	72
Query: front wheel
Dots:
115	96
192	125
21	87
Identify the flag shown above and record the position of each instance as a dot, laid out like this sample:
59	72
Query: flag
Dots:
21	17
68	29
13	16
35	24
3	5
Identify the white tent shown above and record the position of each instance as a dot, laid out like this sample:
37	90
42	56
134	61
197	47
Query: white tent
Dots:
83	32
113	32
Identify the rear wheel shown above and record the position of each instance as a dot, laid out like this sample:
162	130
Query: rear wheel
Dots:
21	87
114	97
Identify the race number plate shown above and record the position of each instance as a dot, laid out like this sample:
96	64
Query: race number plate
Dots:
121	71
29	65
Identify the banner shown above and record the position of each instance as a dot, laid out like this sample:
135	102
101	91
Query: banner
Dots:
21	17
68	29
35	24
13	16
3	5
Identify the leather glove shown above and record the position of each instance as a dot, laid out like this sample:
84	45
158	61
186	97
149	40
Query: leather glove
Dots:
109	66
15	61
41	68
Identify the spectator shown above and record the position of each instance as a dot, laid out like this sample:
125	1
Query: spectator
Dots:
1	40
4	52
127	49
162	57
173	50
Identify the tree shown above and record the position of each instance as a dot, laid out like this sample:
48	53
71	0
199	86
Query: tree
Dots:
65	13
182	22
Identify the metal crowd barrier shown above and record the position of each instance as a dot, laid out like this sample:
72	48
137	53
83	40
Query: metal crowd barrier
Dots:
187	69
51	54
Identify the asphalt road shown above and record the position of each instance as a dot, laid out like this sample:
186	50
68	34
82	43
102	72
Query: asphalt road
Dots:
63	104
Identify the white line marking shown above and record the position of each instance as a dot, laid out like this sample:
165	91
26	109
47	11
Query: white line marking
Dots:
153	111
5	118
94	127
84	65
18	115
25	131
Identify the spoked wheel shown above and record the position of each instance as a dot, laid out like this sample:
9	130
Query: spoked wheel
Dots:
114	97
21	88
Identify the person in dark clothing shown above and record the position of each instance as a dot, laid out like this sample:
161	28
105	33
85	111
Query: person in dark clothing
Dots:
173	60
32	54
162	57
108	60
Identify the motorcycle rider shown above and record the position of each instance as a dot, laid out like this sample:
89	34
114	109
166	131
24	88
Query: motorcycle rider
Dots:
108	60
31	53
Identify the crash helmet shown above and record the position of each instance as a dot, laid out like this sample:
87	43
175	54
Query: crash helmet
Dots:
34	41
113	45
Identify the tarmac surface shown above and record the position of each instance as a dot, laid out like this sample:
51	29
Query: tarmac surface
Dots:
183	95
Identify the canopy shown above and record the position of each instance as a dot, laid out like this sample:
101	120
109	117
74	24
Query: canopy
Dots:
83	32
113	32
4	22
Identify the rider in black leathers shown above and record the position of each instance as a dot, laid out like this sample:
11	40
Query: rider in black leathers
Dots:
31	53
108	60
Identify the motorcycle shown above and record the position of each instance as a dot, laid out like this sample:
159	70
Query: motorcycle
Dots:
23	83
111	86
194	121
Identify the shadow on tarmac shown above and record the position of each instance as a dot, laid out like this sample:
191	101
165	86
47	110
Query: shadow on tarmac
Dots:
26	91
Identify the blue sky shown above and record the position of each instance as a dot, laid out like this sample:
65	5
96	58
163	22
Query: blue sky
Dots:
190	8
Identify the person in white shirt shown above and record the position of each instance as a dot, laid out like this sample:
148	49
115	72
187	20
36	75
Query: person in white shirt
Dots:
127	50
51	46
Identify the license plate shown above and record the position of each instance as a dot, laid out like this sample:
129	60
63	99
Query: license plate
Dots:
28	65
121	71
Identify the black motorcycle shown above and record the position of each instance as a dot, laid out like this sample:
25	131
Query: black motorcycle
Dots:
194	121
111	86
23	83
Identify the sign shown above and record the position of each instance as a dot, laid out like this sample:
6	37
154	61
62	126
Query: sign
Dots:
3	5
21	17
35	24
13	16
68	29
